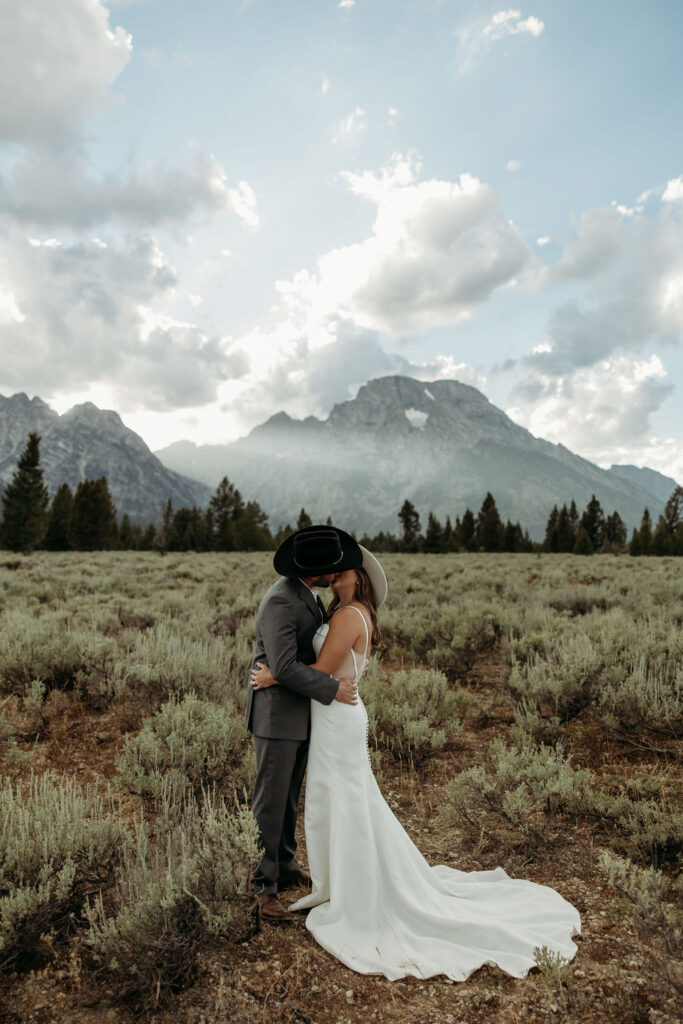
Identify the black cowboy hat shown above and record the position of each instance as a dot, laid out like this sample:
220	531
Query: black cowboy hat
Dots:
317	551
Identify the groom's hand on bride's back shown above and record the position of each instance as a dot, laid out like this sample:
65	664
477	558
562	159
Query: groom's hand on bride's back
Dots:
347	691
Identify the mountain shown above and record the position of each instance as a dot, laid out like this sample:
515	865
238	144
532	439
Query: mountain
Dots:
87	442
649	479
442	445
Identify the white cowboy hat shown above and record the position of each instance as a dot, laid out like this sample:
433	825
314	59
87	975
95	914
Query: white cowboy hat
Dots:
380	587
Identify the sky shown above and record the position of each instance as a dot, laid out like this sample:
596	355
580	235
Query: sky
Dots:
213	210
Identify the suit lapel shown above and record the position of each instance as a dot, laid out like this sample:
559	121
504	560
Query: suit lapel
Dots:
308	599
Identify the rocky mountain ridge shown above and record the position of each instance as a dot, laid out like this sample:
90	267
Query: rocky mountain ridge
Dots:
441	444
86	443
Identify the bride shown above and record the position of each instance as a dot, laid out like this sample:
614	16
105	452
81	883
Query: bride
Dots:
376	904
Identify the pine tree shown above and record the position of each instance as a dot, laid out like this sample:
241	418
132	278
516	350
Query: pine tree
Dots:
673	511
251	529
566	529
615	530
552	539
593	522
635	548
304	520
188	530
226	506
583	544
489	526
25	502
466	531
646	533
58	536
410	521
434	536
93	519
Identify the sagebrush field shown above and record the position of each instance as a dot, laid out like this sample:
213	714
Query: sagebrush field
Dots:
525	711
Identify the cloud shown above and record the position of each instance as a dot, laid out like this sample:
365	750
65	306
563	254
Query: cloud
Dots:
477	37
513	165
602	412
58	190
673	192
543	241
632	269
352	124
83	313
306	379
438	250
58	63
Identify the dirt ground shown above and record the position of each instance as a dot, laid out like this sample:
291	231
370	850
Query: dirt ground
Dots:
278	973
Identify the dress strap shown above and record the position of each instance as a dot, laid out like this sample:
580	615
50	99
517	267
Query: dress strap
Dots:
367	634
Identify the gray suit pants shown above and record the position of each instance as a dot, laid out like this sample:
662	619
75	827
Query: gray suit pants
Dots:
280	765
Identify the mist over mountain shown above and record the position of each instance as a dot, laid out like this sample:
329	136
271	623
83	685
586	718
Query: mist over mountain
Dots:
87	442
442	445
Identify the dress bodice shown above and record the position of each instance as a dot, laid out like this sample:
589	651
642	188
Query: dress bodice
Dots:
359	661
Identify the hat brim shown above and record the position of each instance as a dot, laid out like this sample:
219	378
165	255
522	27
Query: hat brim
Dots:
351	556
378	580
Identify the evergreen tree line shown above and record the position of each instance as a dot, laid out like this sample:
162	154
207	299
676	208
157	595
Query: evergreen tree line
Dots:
86	521
484	531
593	531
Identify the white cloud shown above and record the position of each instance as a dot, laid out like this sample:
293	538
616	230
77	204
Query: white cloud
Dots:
543	241
350	125
91	313
346	3
438	250
632	269
513	165
476	37
603	412
393	116
58	62
673	192
325	86
306	375
58	190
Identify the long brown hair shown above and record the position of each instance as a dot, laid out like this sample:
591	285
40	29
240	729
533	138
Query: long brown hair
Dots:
365	595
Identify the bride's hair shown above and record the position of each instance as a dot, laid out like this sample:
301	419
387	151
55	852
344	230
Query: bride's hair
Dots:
365	595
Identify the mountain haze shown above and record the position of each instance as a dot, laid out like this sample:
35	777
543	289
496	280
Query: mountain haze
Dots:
442	445
87	442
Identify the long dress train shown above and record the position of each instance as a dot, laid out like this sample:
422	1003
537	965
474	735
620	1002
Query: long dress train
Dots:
377	905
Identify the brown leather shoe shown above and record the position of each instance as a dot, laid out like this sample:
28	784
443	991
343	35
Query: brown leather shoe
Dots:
297	878
271	908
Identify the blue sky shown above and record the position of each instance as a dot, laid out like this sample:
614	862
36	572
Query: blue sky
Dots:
214	210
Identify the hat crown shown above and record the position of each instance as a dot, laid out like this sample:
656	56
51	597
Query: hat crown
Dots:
315	548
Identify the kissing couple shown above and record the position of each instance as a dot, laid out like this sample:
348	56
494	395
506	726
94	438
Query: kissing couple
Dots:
375	903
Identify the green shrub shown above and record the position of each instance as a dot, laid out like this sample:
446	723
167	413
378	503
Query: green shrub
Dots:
57	842
414	715
656	904
523	786
169	901
190	744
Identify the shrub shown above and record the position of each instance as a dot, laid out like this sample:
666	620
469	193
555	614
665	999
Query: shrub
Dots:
524	787
415	714
189	744
169	901
56	843
648	892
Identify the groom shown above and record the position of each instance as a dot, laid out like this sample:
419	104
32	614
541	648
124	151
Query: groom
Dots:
279	716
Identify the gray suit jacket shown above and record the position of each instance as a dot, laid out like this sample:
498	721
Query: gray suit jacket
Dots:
286	620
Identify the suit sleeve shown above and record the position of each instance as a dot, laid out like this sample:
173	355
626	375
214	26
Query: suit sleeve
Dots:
278	635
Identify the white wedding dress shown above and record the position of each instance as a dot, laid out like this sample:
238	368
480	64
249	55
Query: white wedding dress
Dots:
377	905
